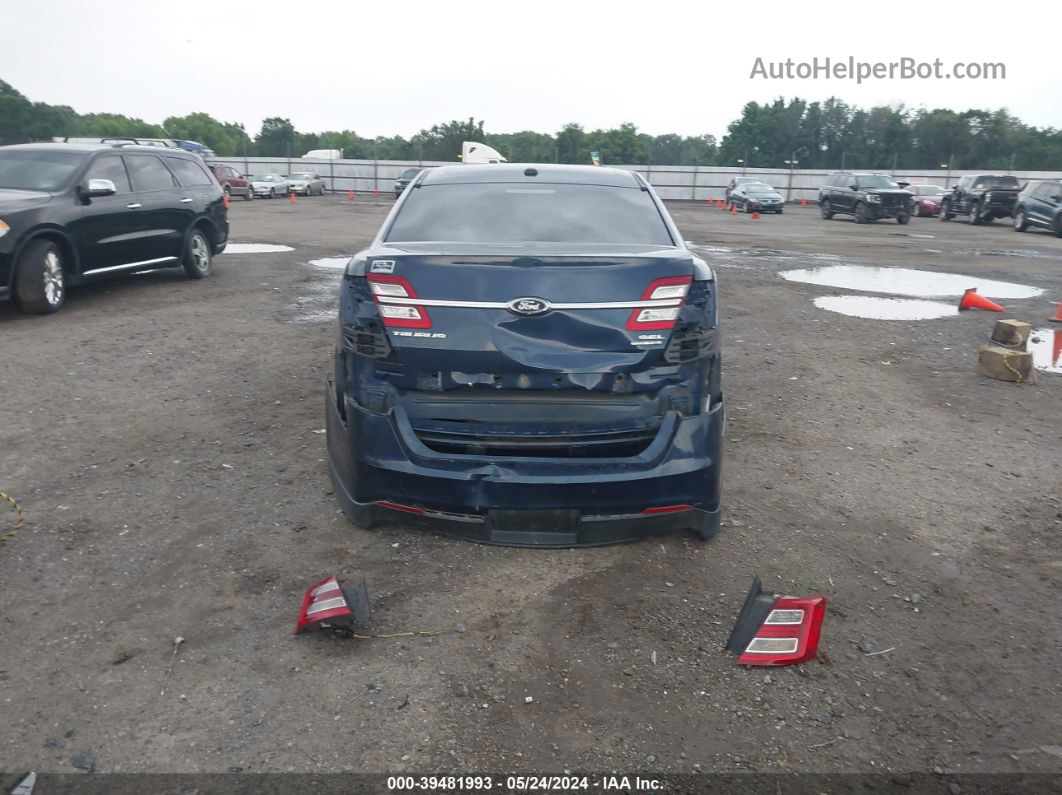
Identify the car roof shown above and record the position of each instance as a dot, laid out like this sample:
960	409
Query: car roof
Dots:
75	148
514	172
89	149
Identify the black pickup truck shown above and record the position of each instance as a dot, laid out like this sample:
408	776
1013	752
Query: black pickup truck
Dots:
981	198
867	197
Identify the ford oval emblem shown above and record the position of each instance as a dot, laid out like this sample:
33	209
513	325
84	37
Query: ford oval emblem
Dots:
528	306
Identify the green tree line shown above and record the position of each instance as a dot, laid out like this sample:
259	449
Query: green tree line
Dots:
829	134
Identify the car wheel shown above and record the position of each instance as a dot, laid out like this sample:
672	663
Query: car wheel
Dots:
1021	224
974	218
825	208
860	213
902	218
945	214
40	281
249	195
197	257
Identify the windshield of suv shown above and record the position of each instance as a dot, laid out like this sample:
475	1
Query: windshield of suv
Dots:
876	181
926	190
523	213
37	170
996	182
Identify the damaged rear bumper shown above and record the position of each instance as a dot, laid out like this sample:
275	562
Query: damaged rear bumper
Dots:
382	473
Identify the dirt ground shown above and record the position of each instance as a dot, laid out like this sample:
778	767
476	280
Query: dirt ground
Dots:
165	439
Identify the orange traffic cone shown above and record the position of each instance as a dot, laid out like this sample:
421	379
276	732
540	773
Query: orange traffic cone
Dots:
292	197
971	300
733	209
1058	315
225	200
350	195
1056	354
755	216
803	202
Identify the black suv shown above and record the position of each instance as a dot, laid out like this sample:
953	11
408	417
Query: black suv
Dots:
981	198
1040	204
406	177
74	213
868	197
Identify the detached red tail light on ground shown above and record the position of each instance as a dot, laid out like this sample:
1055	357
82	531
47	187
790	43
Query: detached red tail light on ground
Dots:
327	604
772	630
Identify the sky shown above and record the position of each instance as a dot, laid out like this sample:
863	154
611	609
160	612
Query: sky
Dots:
396	68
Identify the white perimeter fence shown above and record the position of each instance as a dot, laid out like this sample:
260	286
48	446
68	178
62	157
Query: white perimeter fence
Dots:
698	183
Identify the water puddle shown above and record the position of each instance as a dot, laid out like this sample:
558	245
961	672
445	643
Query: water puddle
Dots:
255	248
331	263
872	308
906	281
315	302
1045	344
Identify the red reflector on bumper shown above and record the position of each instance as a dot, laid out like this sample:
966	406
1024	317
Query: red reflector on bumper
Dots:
668	509
394	506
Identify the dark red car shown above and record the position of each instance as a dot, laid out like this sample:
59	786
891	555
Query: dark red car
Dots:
927	199
232	182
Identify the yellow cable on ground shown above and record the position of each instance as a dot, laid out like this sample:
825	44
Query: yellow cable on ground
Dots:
21	517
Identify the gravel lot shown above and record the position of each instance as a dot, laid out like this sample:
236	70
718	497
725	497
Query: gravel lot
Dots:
165	439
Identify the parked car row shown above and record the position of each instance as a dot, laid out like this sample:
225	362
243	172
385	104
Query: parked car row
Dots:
267	186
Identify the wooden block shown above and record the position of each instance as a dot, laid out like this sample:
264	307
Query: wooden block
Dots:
1004	364
1012	333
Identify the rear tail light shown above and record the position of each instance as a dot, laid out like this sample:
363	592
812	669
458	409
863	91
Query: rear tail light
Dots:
386	286
777	630
671	288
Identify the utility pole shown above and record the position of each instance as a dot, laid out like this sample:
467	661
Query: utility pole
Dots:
792	163
947	177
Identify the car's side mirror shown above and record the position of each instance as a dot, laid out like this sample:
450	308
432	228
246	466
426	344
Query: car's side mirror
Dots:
96	188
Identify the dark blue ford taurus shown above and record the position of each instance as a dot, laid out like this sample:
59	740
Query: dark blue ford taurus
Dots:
528	355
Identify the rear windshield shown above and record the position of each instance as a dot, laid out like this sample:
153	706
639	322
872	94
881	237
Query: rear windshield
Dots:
37	170
529	213
996	182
